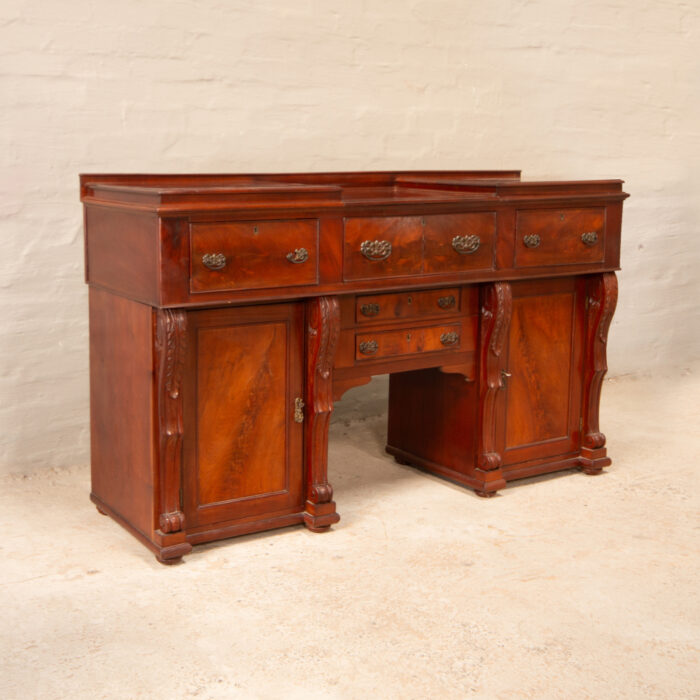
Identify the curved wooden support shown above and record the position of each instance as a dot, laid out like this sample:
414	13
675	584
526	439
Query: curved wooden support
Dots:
322	332
343	385
601	300
171	347
496	309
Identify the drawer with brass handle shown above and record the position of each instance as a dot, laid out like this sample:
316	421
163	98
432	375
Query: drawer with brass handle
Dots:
415	304
459	242
410	341
559	236
253	254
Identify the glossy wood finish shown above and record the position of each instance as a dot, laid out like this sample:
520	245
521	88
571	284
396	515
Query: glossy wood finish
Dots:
243	448
254	254
407	305
412	341
562	236
229	312
441	250
542	395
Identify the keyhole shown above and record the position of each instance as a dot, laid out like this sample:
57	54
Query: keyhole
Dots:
410	300
408	337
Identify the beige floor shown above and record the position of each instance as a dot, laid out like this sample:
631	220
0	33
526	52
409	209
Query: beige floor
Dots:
562	587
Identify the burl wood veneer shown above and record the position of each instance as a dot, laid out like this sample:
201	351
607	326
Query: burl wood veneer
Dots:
229	312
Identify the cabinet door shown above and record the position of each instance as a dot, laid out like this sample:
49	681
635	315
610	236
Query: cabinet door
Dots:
243	448
543	391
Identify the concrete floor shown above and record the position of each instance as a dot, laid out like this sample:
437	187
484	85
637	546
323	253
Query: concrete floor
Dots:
562	587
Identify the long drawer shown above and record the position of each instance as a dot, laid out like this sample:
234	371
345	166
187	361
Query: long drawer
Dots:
253	254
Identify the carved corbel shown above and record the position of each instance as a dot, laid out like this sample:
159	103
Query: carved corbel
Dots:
496	309
171	346
322	333
601	301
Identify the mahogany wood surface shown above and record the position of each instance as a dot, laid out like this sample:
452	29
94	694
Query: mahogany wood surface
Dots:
228	312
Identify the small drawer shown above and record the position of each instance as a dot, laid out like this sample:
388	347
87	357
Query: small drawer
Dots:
386	246
559	237
422	304
456	242
253	254
410	341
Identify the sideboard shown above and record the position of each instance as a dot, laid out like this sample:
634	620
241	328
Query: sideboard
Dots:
229	312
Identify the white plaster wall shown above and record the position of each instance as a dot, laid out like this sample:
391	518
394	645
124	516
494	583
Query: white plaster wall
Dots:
558	88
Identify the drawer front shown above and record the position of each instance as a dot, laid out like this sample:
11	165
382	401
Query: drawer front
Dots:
377	247
455	242
385	307
253	254
559	236
411	341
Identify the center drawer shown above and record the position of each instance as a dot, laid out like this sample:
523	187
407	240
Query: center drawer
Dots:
421	304
412	341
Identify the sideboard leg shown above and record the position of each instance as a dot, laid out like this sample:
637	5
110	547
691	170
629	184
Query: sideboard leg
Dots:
601	300
322	331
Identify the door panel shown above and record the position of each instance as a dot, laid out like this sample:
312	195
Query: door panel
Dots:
243	449
543	393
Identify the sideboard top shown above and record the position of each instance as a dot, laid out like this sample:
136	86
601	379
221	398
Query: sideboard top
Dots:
172	193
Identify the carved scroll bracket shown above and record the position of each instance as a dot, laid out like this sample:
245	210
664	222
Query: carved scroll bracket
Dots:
496	312
170	349
601	301
323	331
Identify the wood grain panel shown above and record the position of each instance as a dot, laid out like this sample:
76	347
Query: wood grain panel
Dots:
241	401
540	362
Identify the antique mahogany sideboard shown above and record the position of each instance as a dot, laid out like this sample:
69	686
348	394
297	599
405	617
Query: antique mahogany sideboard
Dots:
229	312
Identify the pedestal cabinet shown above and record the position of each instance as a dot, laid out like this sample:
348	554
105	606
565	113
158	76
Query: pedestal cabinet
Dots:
229	312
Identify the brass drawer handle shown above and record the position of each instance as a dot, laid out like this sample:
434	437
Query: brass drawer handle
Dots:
369	347
369	309
214	261
450	338
532	240
589	238
300	255
465	245
375	250
446	302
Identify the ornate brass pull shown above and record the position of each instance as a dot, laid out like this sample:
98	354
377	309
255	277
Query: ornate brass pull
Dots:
369	309
450	338
298	410
504	376
466	244
446	302
369	347
532	240
300	255
214	261
375	250
589	238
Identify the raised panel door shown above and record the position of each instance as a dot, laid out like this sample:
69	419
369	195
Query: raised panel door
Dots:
243	448
542	384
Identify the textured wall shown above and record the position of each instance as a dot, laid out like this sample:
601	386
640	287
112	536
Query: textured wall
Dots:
561	89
